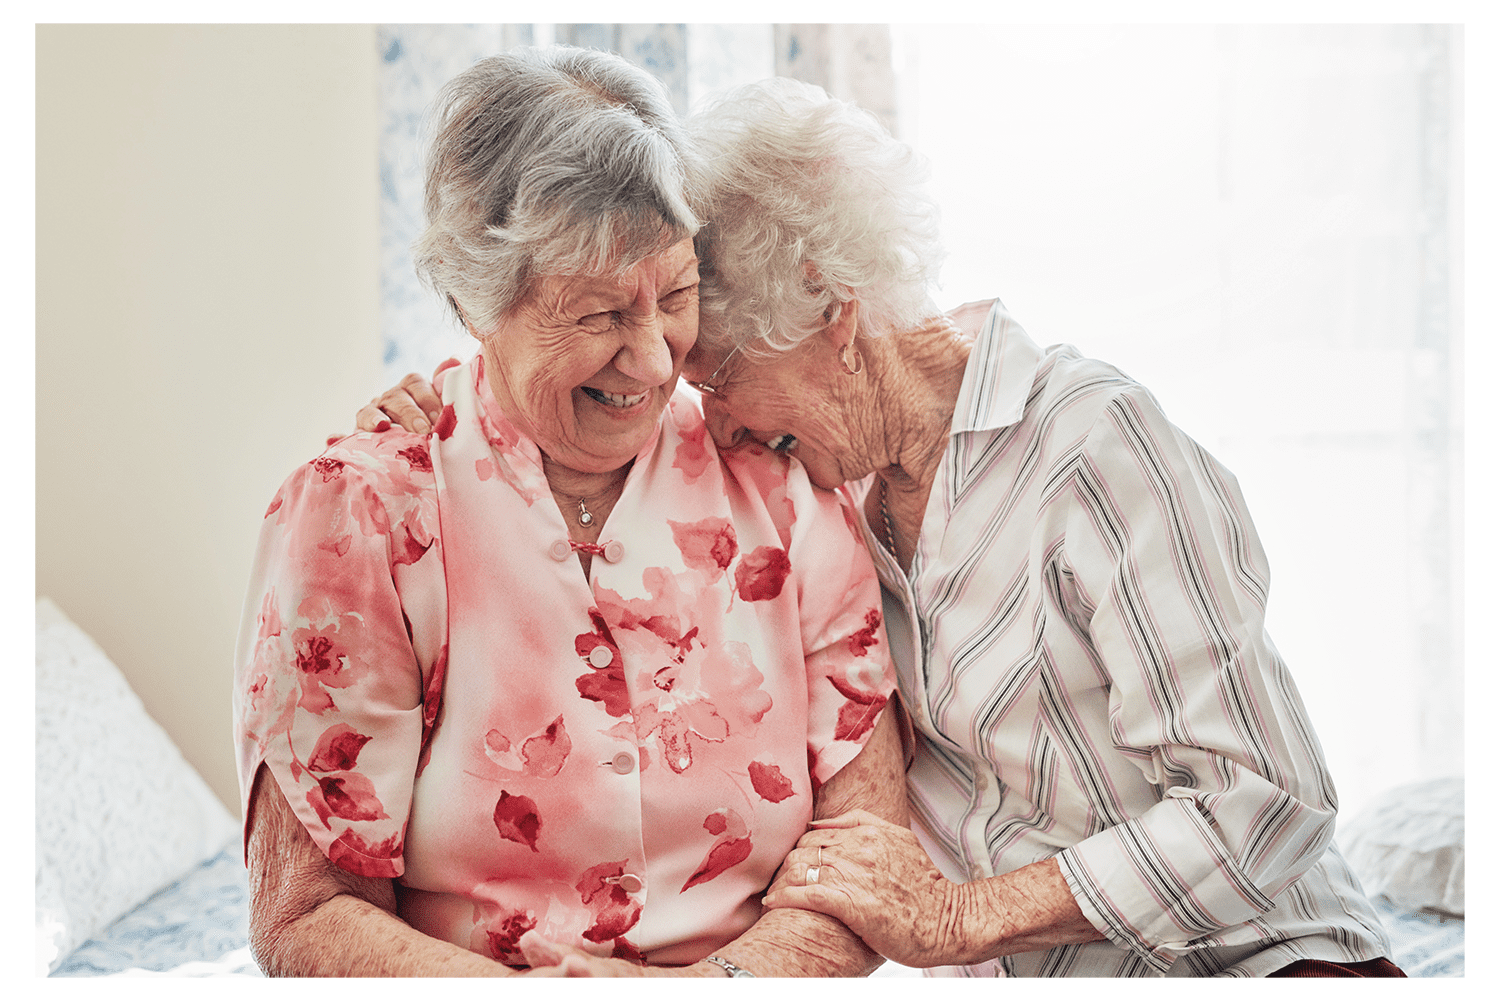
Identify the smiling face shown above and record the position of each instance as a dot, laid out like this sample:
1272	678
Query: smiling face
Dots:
584	366
797	402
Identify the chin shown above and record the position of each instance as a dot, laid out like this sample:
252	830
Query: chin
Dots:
824	479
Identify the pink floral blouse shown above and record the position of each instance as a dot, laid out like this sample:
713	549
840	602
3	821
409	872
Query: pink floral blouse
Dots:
619	763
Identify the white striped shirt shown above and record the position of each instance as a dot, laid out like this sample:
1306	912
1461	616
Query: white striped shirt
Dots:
1096	683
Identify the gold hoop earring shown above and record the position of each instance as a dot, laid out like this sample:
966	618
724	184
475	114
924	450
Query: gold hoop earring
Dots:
859	360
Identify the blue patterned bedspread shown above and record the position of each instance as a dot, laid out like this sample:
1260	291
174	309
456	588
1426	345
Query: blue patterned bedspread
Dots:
197	927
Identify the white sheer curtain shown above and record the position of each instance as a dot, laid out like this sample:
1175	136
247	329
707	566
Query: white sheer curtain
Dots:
1262	224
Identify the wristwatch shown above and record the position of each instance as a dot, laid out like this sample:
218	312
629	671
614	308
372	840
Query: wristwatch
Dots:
730	968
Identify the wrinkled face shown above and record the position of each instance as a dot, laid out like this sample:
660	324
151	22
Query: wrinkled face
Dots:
584	366
796	402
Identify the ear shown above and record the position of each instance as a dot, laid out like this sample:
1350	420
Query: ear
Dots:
841	330
463	317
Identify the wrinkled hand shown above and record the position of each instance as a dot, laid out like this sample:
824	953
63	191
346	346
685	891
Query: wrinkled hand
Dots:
875	878
550	959
413	403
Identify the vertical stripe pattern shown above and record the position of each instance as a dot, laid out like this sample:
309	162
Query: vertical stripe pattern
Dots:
1094	682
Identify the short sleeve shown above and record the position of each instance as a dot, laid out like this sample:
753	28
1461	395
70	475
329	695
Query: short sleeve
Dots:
849	673
329	691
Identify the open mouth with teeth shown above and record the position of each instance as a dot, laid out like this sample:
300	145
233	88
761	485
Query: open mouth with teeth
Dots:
782	443
617	400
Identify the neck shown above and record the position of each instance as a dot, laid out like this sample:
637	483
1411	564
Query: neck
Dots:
575	485
917	374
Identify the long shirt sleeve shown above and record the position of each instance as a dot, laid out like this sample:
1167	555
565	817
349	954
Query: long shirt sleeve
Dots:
1169	579
1081	647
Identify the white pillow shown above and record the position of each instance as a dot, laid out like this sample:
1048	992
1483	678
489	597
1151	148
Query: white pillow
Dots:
119	813
1409	846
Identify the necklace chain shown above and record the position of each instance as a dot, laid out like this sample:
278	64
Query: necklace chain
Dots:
885	517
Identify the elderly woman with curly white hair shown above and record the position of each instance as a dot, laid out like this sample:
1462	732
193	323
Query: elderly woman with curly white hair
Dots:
1114	774
556	685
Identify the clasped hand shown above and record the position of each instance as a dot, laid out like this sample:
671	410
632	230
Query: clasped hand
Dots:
874	877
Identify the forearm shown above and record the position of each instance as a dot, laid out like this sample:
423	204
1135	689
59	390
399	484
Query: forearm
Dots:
795	943
1027	910
308	918
349	937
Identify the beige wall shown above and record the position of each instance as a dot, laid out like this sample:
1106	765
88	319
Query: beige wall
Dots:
207	212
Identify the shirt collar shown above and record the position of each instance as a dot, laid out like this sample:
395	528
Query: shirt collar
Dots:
997	379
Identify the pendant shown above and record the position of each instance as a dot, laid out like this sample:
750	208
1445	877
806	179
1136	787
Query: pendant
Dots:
584	518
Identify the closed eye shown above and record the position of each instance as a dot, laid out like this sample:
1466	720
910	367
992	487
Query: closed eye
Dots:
680	298
598	323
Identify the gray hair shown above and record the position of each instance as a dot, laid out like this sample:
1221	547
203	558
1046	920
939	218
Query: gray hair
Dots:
548	161
809	203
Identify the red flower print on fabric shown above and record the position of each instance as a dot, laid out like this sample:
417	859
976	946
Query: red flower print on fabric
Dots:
329	467
707	545
615	912
606	684
730	849
692	453
516	819
447	423
409	549
350	796
432	701
860	642
541	755
338	546
770	783
858	715
505	939
672	729
322	661
761	573
417	457
353	853
319	661
337	750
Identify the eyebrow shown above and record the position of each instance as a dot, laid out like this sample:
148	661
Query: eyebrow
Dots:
585	297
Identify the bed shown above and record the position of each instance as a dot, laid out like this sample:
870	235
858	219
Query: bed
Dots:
139	870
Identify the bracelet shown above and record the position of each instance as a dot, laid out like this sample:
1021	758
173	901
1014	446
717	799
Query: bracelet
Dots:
730	968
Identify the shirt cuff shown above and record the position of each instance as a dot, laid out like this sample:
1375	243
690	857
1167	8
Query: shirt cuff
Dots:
1158	884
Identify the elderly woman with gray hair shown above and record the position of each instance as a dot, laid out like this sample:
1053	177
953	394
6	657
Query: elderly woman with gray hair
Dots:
1114	774
556	685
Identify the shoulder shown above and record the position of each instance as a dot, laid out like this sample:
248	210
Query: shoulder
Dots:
381	479
1074	397
384	462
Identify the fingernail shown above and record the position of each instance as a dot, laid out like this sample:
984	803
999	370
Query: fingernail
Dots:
383	426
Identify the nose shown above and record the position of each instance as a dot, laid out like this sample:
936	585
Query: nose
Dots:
724	429
645	355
